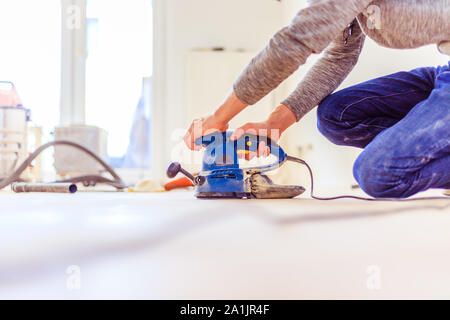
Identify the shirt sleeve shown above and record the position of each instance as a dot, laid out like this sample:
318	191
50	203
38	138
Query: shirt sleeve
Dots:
327	73
311	31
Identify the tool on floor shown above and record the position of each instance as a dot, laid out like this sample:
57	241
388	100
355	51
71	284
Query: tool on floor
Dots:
44	187
178	184
222	177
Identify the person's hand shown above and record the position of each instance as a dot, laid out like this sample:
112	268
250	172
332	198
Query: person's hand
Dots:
280	119
202	127
218	121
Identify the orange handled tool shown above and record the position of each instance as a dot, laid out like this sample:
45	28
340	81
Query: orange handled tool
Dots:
178	184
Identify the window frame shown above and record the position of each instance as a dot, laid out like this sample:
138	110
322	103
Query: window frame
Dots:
73	62
73	75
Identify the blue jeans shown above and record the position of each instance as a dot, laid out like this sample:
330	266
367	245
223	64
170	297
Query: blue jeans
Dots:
403	123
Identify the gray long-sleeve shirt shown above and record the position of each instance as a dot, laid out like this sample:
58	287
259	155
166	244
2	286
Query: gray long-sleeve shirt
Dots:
321	27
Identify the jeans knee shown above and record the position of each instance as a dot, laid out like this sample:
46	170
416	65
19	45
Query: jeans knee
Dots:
378	179
328	121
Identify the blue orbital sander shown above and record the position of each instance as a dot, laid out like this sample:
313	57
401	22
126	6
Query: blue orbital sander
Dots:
222	177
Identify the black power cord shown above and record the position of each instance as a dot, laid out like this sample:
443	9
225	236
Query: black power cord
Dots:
86	180
294	159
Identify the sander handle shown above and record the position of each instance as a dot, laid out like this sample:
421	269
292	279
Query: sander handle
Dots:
245	144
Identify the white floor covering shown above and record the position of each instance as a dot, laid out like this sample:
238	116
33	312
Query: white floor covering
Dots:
173	246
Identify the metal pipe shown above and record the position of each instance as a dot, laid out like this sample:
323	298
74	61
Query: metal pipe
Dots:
44	187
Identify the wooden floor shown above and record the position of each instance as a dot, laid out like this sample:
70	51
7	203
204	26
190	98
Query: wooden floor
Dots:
170	245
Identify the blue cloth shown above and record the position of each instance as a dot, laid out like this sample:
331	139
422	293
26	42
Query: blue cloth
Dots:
403	123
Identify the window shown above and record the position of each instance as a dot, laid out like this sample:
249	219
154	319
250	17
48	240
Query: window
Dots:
30	32
119	61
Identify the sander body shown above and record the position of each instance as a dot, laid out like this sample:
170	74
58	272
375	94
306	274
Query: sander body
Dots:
222	176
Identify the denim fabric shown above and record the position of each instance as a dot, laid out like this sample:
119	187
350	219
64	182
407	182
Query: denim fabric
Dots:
403	123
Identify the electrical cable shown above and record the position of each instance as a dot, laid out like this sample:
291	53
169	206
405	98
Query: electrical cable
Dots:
87	180
294	159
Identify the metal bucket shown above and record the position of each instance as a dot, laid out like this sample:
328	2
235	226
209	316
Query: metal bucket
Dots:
13	139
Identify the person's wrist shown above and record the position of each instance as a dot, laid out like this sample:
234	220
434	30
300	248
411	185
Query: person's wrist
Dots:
220	118
281	118
219	121
229	109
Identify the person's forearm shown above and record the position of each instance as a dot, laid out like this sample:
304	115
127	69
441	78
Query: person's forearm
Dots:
229	108
311	31
328	72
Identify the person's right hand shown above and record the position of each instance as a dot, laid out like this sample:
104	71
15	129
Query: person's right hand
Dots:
218	121
202	127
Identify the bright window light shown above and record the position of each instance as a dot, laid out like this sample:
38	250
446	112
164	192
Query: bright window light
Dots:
30	33
119	45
